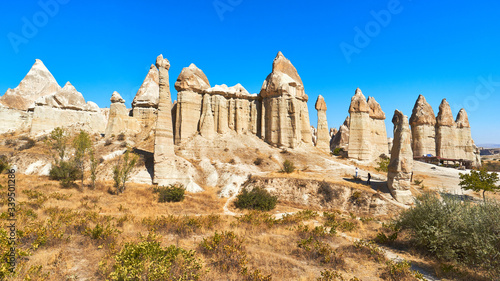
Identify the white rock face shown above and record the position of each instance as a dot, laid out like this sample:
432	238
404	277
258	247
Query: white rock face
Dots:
465	145
285	117
323	141
149	92
423	128
401	164
38	83
119	120
359	130
207	126
446	139
14	120
378	133
341	138
45	119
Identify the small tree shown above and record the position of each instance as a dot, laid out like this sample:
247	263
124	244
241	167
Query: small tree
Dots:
121	172
479	180
59	142
82	145
93	168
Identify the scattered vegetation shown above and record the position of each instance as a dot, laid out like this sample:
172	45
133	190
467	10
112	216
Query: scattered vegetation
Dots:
338	151
257	199
29	144
122	169
288	167
480	180
121	137
171	193
82	145
326	190
400	271
383	165
454	231
4	163
66	172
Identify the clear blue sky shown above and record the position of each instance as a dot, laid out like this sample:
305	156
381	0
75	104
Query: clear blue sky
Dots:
440	49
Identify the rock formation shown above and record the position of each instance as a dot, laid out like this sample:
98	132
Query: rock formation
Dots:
323	140
378	133
401	163
341	138
285	117
423	130
145	103
359	130
333	131
190	86
446	141
119	120
314	135
37	83
207	127
465	144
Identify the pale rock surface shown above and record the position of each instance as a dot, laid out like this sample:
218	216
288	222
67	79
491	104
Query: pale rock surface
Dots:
333	131
45	119
314	134
190	86
465	145
378	134
119	120
359	130
207	126
38	83
401	164
446	139
423	128
148	94
285	118
323	140
14	120
341	138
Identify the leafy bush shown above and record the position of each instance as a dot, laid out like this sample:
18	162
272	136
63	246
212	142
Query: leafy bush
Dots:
400	271
313	249
418	181
257	199
383	165
66	172
147	260
171	193
338	151
288	167
225	251
456	231
121	171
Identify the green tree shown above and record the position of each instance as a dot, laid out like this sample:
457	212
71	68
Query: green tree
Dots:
59	142
480	180
82	145
93	168
121	171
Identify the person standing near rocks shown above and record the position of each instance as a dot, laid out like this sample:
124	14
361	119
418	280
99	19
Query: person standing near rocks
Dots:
357	171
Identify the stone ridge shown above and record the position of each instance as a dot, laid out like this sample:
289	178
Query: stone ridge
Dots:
422	113
192	79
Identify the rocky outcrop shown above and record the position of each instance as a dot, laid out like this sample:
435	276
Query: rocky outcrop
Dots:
190	86
314	135
119	120
401	164
423	130
323	140
207	127
446	140
378	133
465	145
285	117
145	103
341	138
359	130
38	83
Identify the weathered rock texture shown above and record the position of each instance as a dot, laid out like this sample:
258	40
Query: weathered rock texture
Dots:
401	164
285	117
446	141
323	140
145	103
423	130
37	83
465	144
314	135
367	134
341	138
119	120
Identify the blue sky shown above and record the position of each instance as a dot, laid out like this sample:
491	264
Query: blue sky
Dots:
392	50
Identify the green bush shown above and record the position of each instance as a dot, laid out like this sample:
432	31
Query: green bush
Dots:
383	165
338	151
66	172
288	167
257	199
4	163
149	261
400	271
171	193
225	251
462	232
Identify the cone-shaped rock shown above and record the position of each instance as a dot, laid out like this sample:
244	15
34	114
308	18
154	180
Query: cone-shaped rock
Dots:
149	92
465	145
323	140
401	163
38	83
378	131
359	131
423	128
446	142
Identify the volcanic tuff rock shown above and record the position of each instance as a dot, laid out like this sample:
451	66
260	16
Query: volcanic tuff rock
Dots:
37	83
190	85
207	128
423	129
401	164
375	109
285	117
323	140
446	140
378	131
314	134
465	145
341	138
148	93
119	120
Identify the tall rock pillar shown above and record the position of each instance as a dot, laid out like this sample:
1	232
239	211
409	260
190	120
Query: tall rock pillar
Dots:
446	141
401	164
323	140
423	128
378	133
359	131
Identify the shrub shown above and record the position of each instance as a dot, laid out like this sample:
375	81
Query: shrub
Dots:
121	171
171	193
456	231
320	251
400	271
333	275
257	199
338	151
288	167
418	181
58	141
383	165
258	161
225	251
147	260
66	172
121	137
4	164
29	144
326	190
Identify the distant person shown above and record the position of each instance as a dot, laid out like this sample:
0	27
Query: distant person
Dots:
357	171
369	178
